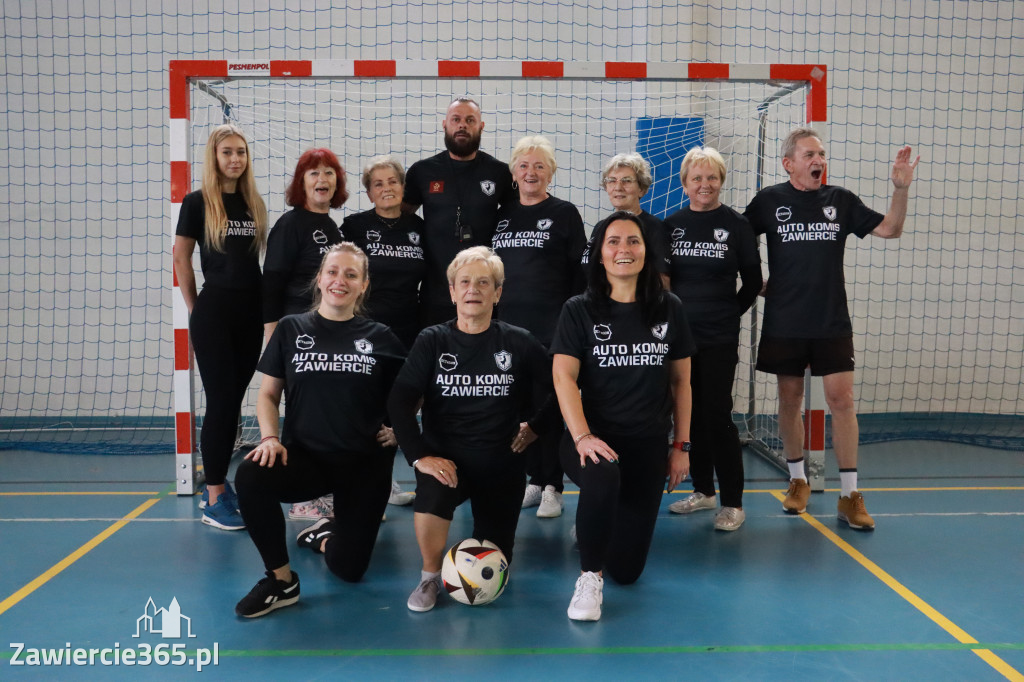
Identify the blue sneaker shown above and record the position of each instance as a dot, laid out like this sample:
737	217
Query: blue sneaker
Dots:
223	515
204	501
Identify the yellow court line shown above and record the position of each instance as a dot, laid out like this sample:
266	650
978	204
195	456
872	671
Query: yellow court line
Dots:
921	605
74	556
109	492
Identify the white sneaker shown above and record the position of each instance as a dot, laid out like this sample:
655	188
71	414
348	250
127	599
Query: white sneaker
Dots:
588	597
550	503
729	518
399	497
531	498
693	502
314	510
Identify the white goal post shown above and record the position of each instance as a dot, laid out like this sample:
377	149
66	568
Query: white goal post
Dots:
590	110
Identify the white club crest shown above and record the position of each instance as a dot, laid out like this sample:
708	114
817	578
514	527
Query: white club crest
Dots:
372	236
830	212
659	330
448	361
414	238
502	225
364	346
488	187
503	359
783	213
721	235
303	341
602	332
319	237
544	223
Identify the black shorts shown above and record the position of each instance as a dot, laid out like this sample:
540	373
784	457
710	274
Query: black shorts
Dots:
790	357
484	479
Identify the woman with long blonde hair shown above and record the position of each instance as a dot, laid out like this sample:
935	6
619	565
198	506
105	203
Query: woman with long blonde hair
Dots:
228	219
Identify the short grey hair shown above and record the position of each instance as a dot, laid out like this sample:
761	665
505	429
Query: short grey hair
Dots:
636	163
789	144
534	143
474	254
384	161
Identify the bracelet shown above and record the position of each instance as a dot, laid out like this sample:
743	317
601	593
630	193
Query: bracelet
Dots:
414	464
682	445
577	439
264	440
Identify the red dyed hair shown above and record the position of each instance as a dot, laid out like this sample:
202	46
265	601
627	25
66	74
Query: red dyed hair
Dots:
295	195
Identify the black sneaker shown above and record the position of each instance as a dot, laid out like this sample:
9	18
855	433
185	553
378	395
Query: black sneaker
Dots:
269	594
313	536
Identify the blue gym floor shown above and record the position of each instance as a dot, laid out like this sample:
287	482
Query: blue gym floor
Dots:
935	593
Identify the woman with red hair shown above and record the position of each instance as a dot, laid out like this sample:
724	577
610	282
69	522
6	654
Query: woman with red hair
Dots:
295	249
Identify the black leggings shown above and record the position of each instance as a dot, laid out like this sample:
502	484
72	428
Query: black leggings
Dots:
361	483
716	441
618	503
543	463
227	334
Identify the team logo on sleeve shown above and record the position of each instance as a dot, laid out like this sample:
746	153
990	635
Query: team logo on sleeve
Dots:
436	187
414	238
372	236
448	361
502	225
659	330
364	346
721	235
544	223
303	341
503	359
830	212
783	213
319	237
488	187
678	234
602	332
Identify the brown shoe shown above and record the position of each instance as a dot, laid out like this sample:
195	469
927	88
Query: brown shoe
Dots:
853	513
796	497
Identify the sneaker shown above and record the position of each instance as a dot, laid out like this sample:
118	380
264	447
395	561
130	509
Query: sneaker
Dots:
223	515
550	503
853	513
399	497
228	490
269	594
693	502
313	536
424	596
532	496
796	497
587	599
314	510
729	518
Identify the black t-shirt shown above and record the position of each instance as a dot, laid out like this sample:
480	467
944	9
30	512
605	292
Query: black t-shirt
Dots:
295	248
475	387
541	247
806	234
442	185
396	268
709	248
337	378
624	375
237	267
657	233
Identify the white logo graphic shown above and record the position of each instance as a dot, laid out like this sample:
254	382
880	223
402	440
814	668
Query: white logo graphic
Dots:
830	212
602	332
448	362
414	238
502	225
163	622
503	359
304	342
782	213
659	330
678	233
544	223
721	235
488	187
319	237
364	346
373	235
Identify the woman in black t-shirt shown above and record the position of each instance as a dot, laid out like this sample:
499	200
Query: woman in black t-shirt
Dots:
475	377
295	249
711	245
336	368
228	219
540	240
622	376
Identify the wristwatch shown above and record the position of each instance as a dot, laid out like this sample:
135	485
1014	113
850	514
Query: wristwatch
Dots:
683	445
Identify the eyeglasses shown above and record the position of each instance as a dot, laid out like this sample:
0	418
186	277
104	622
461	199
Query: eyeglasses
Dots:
625	182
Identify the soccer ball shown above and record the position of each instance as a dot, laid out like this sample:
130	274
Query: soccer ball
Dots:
474	572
